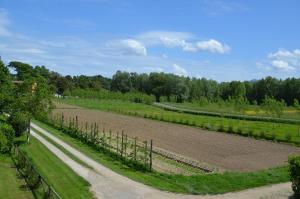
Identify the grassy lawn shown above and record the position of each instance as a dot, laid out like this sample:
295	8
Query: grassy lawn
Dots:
64	180
196	184
11	186
283	132
288	113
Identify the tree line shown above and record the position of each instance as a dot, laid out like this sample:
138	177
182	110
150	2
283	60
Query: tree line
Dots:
169	86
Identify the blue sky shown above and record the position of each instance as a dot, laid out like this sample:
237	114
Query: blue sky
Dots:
221	40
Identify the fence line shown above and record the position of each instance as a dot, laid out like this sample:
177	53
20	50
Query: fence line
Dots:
133	152
37	184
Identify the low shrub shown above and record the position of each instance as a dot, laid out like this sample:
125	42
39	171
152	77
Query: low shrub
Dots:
294	169
288	137
239	131
262	134
273	136
230	129
221	128
6	137
19	122
250	133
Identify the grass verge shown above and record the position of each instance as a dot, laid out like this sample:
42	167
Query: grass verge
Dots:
64	180
196	184
11	185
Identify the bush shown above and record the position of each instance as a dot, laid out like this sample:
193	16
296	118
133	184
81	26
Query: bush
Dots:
221	128
288	137
230	129
6	137
19	122
250	133
262	135
239	131
273	136
294	169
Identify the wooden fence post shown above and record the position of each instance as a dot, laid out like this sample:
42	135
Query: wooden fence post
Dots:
62	120
110	140
134	153
146	154
125	145
122	144
117	142
150	155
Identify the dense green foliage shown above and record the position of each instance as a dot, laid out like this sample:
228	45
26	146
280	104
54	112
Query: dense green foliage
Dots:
169	86
7	135
197	184
294	168
105	94
266	130
23	95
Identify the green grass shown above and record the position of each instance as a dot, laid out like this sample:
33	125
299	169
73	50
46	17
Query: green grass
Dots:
63	149
11	185
64	180
197	184
252	110
212	123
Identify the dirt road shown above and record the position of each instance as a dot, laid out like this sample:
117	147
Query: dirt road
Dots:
106	184
222	150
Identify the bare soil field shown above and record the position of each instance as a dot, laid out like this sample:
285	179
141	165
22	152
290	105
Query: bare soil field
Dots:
226	151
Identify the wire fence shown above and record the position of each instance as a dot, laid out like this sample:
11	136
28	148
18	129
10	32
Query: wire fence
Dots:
38	185
130	150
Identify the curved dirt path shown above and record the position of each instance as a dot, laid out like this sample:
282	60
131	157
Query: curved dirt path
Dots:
110	185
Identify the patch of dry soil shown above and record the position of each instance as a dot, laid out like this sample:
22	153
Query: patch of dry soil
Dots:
224	150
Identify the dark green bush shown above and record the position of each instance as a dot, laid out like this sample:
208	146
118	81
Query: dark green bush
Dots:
288	137
262	135
239	131
19	122
221	128
294	169
273	136
230	129
250	132
6	137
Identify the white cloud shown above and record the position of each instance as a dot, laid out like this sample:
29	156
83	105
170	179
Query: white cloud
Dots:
128	47
178	70
213	46
4	23
184	40
285	60
168	38
282	65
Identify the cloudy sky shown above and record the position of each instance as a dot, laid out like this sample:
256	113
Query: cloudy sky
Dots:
221	40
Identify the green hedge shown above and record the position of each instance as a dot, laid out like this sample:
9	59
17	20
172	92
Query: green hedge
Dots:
228	115
6	137
137	97
294	168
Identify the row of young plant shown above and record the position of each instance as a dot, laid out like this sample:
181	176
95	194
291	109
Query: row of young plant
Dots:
136	97
228	115
37	184
247	132
132	152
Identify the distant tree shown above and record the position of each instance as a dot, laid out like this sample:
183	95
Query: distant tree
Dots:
121	81
5	88
157	84
23	70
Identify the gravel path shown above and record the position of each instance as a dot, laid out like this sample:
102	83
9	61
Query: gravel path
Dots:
222	150
107	184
